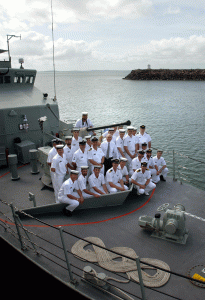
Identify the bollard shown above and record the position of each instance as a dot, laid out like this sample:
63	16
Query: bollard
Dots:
31	197
33	160
12	159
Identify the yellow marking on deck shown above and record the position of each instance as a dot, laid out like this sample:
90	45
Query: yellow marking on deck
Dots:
198	277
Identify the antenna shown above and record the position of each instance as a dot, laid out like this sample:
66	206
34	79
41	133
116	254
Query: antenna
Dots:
53	54
9	36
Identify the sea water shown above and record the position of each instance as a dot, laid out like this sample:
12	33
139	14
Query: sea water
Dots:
172	111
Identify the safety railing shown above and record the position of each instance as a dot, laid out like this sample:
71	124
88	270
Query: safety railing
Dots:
185	168
63	250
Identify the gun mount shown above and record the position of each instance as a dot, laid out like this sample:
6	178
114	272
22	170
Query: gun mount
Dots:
171	228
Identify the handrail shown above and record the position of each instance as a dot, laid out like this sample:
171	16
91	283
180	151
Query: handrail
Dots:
80	238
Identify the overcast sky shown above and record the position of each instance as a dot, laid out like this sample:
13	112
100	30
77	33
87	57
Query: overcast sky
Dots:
105	34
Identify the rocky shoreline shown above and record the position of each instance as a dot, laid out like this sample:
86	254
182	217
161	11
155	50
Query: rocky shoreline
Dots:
166	74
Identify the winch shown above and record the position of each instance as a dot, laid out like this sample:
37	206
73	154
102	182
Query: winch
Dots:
171	228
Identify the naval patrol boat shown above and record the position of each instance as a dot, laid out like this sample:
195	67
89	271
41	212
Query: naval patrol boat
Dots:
123	246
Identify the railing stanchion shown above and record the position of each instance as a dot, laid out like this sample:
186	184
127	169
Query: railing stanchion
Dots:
140	278
72	280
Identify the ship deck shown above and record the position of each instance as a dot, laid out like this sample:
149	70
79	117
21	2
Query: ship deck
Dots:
116	226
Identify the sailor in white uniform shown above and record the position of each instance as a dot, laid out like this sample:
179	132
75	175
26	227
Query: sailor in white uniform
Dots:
70	193
136	162
82	182
150	162
141	180
84	122
123	169
75	140
97	182
143	137
59	168
88	142
68	152
50	157
96	156
129	146
114	180
160	166
80	157
120	143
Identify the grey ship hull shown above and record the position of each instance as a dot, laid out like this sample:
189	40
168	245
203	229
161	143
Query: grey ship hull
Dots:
115	226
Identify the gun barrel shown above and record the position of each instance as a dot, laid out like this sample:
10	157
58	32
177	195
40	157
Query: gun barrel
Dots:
108	126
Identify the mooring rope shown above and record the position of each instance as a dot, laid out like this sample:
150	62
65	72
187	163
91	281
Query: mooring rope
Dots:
105	259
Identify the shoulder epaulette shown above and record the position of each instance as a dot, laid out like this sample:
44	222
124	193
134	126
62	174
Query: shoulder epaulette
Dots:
138	170
110	171
90	149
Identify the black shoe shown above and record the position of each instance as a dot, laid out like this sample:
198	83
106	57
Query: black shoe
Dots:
67	212
162	178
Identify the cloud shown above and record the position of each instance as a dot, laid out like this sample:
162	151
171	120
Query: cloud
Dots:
171	53
38	12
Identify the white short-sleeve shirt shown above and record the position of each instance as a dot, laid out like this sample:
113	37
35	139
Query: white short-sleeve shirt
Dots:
96	182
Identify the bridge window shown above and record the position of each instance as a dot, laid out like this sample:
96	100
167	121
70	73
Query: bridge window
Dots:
18	79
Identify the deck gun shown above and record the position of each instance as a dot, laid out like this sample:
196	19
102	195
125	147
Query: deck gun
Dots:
86	130
171	228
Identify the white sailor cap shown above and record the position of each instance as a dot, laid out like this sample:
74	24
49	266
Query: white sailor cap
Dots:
130	127
97	166
87	137
76	129
74	172
123	159
84	167
94	139
122	130
68	137
60	146
149	150
111	129
134	128
84	113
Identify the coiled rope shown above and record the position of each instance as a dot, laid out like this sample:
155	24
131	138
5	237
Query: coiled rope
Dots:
105	259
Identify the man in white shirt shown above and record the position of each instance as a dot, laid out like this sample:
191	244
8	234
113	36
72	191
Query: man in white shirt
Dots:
70	193
84	123
114	178
59	168
50	157
68	152
141	180
75	140
120	143
143	137
110	151
96	156
136	162
160	166
129	146
80	157
150	162
82	182
97	182
123	169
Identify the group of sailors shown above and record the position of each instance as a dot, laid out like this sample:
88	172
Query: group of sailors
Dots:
92	166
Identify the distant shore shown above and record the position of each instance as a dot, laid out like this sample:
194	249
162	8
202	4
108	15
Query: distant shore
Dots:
166	74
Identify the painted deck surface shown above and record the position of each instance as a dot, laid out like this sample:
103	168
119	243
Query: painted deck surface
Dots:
116	227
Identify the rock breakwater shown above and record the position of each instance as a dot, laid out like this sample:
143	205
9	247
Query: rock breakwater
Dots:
166	74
